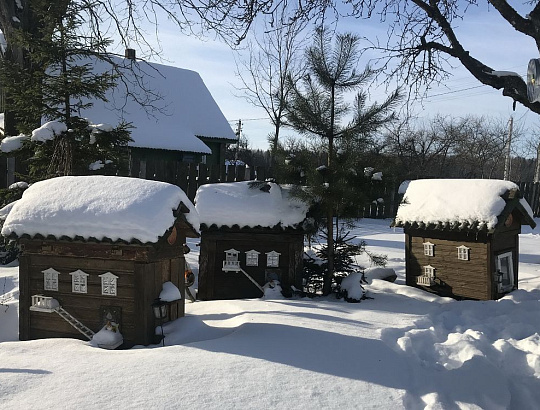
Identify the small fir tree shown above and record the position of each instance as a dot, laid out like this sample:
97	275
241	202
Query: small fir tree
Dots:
318	108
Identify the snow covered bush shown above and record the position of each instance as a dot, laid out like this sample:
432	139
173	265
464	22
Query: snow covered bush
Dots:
351	288
77	148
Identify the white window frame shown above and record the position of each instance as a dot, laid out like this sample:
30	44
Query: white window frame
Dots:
272	259
510	285
50	279
252	258
429	249
463	253
79	281
109	284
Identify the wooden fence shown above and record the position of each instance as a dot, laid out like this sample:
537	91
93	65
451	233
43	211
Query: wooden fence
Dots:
190	176
531	192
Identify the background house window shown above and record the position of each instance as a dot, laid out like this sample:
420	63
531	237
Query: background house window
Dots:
188	157
79	281
252	258
505	271
108	284
463	253
50	279
272	259
429	249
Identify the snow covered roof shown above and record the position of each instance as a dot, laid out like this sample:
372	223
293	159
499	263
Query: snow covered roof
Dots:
247	205
470	204
178	107
99	208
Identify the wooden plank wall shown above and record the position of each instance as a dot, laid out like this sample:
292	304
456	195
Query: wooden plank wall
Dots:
216	284
138	285
467	279
84	307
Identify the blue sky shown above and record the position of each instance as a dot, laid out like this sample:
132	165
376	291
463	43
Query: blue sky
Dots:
484	33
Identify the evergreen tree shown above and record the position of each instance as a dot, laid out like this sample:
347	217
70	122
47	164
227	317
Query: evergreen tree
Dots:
319	109
59	92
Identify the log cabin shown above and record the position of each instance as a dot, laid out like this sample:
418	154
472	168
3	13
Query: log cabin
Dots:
172	114
462	236
251	233
96	251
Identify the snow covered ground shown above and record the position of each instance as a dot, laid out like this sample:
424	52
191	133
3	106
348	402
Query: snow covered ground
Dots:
402	349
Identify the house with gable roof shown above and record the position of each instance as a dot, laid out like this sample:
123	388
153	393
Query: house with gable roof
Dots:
97	250
251	233
461	236
173	114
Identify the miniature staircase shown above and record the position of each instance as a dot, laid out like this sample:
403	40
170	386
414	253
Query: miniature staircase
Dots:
48	304
64	314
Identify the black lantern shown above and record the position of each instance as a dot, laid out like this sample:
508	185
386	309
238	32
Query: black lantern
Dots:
160	309
160	312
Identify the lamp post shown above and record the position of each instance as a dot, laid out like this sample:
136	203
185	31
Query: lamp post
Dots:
160	312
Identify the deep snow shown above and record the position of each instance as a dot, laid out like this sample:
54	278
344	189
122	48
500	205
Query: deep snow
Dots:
455	200
98	207
402	349
240	203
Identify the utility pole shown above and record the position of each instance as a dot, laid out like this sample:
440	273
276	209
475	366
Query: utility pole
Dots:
537	169
238	133
507	162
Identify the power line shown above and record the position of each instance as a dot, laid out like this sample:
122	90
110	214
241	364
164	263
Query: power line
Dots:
455	91
249	119
457	97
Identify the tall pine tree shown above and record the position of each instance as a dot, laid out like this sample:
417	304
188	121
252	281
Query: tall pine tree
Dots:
318	108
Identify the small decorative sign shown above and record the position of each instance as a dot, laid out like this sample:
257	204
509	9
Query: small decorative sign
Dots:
172	237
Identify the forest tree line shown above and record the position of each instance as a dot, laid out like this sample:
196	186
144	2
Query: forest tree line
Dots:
443	147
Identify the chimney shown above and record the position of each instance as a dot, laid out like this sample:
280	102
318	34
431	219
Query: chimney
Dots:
130	53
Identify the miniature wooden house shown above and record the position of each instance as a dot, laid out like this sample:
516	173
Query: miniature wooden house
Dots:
97	250
461	236
251	233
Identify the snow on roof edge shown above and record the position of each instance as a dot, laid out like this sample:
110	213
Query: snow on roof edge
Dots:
453	203
99	208
218	205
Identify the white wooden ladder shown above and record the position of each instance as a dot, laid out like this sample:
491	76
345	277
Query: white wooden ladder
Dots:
68	317
252	280
48	304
